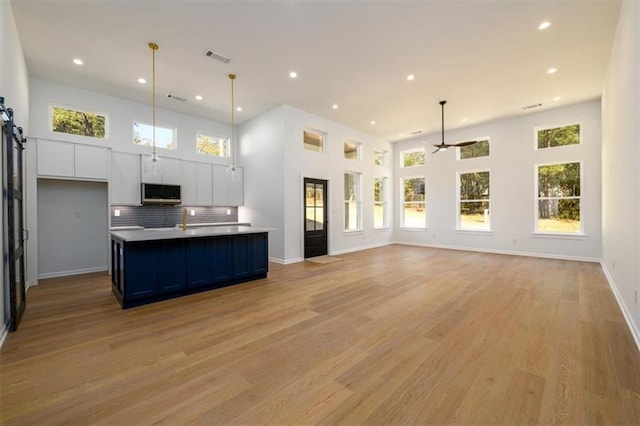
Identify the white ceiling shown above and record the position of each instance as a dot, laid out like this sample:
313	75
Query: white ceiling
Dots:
486	58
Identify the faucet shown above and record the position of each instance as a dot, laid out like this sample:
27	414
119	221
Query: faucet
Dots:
185	215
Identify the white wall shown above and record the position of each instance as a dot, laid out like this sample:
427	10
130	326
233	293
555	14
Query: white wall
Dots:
14	88
621	164
262	152
72	227
512	163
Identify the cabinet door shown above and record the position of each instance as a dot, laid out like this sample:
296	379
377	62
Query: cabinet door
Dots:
197	261
171	171
140	270
221	259
91	162
145	174
259	253
125	178
236	189
55	158
241	256
203	184
220	186
188	184
171	265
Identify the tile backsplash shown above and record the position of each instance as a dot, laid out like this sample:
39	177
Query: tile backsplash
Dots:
167	216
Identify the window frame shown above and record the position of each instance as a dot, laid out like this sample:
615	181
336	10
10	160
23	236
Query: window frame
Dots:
358	146
358	203
227	138
384	202
410	150
459	201
54	105
385	157
174	132
537	198
321	134
484	138
403	202
556	126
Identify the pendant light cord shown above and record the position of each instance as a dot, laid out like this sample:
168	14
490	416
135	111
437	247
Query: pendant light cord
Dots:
153	48
232	77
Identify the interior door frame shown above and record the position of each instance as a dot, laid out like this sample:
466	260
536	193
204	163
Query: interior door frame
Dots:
303	219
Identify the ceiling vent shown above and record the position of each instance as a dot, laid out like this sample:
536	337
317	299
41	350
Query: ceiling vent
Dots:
217	56
531	106
417	132
174	97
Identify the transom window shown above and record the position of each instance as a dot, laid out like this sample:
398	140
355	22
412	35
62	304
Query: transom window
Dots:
313	141
351	150
412	157
558	202
413	203
78	122
474	201
352	201
551	137
478	149
212	145
165	136
380	202
380	157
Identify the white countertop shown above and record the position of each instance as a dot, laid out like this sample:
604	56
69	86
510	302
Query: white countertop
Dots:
154	234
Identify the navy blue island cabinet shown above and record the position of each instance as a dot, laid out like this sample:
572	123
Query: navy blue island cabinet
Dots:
150	270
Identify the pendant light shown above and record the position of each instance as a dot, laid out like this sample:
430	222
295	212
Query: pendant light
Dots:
232	170
153	163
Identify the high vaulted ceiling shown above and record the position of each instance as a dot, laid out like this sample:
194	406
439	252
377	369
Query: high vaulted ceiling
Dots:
488	59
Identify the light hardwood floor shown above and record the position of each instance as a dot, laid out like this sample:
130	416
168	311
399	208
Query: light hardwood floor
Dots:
394	335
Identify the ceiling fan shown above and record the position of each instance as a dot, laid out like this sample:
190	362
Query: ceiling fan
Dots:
443	146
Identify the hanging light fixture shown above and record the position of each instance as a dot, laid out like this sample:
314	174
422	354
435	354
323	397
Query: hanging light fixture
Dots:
153	163
232	170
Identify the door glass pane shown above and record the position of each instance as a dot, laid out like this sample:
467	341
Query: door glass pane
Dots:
309	208
319	208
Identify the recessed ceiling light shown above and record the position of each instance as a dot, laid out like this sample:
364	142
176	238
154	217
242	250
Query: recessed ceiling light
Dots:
544	25
239	109
373	121
78	61
293	74
464	120
334	106
411	77
142	80
557	98
198	97
552	70
400	134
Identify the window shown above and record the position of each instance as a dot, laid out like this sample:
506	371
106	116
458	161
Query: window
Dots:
552	137
212	145
75	122
558	188
351	150
412	157
313	141
380	158
478	149
473	201
380	202
352	202
143	135
413	204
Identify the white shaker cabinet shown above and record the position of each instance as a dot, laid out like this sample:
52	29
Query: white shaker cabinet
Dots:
188	184
125	178
171	173
204	194
70	160
91	162
227	193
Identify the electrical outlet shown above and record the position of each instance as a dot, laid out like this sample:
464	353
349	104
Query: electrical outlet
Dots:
434	236
228	211
515	241
193	212
116	212
613	265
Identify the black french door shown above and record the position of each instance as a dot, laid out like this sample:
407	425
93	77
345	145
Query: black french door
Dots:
13	143
316	220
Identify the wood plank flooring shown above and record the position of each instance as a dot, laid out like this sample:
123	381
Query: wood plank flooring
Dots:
394	335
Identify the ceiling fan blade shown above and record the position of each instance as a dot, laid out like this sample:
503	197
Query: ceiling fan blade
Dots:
437	150
465	143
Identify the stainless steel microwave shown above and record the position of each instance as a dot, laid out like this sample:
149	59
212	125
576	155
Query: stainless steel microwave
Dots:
155	193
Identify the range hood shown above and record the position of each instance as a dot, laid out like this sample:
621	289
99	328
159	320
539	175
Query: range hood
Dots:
155	193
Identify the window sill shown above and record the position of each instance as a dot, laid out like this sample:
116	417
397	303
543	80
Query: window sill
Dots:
562	236
382	228
474	231
402	228
354	232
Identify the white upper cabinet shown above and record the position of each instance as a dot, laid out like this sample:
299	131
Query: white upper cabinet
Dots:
69	160
204	194
227	193
125	178
188	191
171	171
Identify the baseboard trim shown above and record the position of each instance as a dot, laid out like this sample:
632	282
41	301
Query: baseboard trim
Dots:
360	248
507	252
73	272
623	307
285	261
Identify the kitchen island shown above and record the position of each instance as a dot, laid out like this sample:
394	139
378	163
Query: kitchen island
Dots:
150	265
